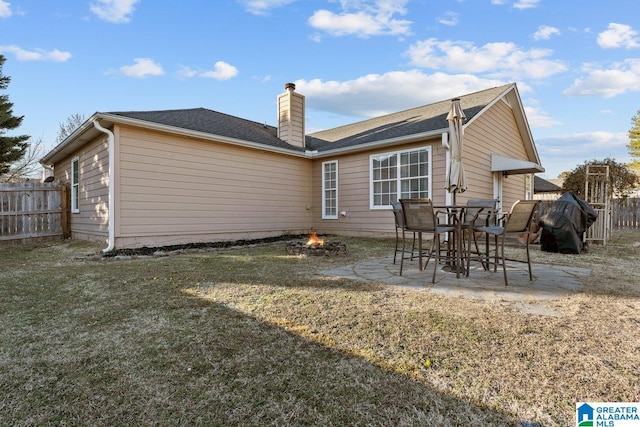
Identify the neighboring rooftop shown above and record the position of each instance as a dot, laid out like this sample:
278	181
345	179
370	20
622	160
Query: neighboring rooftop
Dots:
541	185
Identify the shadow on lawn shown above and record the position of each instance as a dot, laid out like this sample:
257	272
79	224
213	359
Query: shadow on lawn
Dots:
270	376
124	343
150	352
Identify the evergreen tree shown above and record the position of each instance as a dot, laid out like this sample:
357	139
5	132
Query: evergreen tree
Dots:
12	148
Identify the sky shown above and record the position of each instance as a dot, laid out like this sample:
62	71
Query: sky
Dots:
576	62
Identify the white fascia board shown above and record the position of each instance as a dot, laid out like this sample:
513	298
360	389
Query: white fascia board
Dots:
110	119
84	127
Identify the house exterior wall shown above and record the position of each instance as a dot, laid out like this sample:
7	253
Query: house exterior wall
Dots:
495	132
91	222
354	192
173	190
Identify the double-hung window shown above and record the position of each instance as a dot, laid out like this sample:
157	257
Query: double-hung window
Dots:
399	175
330	190
75	185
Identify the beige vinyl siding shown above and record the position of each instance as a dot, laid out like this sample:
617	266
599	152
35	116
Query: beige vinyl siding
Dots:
354	193
176	190
439	171
91	222
495	132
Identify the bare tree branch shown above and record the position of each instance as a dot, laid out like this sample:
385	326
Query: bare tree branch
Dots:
67	128
28	166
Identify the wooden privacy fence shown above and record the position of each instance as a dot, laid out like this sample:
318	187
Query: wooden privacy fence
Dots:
626	213
33	210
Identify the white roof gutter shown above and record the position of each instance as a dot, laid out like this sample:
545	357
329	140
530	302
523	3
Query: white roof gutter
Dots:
382	143
111	187
112	118
308	153
196	134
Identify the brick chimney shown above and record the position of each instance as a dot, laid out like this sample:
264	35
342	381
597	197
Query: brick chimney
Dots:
291	116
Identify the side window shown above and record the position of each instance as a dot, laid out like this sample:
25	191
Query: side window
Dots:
330	190
75	185
403	174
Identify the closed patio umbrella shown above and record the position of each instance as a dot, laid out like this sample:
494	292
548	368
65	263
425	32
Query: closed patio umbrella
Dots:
456	181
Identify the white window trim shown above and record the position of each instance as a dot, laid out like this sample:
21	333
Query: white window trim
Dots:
324	188
398	178
75	186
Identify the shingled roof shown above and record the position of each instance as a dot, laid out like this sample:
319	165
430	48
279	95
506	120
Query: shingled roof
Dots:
427	119
424	119
541	185
212	122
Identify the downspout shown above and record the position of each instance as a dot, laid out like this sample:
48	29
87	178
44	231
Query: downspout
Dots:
112	190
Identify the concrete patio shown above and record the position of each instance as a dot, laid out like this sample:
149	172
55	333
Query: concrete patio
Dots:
549	282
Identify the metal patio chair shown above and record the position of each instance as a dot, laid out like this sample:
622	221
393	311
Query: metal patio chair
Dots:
477	213
399	219
419	217
517	221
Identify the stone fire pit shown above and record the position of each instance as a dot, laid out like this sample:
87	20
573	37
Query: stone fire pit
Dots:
316	246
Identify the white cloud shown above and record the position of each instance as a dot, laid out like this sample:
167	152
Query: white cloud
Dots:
620	78
262	7
114	11
187	72
526	4
538	118
449	18
502	59
617	36
316	37
545	32
36	54
363	18
563	153
5	9
221	71
143	67
376	94
263	79
520	4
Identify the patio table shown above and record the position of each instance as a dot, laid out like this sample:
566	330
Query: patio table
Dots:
455	215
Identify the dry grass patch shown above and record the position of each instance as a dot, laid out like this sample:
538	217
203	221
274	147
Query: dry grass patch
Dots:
252	337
